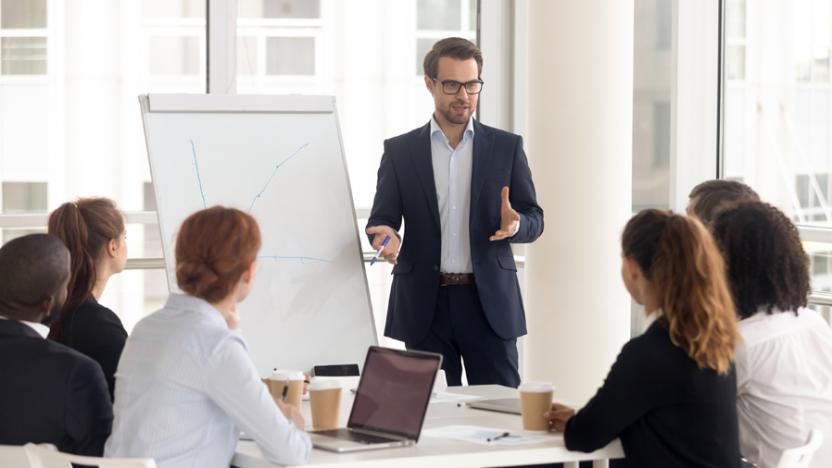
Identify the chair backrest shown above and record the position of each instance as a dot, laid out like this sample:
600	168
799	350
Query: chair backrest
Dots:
801	457
13	455
41	457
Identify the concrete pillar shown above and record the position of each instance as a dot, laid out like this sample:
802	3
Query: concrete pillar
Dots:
579	140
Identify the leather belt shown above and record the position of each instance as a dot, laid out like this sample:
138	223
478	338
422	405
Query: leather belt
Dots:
453	279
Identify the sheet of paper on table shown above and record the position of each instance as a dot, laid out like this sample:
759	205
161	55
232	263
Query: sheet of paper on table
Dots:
488	435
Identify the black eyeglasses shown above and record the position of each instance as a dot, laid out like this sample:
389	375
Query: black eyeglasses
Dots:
452	87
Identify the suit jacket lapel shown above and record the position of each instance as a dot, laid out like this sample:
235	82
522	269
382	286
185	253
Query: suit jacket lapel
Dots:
420	154
483	146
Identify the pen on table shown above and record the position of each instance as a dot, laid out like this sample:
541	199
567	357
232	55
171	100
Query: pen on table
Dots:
383	245
285	390
497	437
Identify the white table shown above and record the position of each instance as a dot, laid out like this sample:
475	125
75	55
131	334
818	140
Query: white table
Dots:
436	452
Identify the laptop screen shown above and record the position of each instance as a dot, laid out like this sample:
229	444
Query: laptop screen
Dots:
394	391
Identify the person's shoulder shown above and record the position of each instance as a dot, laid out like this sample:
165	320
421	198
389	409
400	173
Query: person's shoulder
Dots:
90	312
651	344
65	358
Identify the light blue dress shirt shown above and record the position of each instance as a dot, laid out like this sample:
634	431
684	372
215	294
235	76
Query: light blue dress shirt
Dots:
186	386
452	176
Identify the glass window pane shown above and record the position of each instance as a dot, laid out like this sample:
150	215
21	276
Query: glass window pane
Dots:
423	46
439	15
290	56
22	14
175	55
776	129
735	62
734	19
24	197
23	55
19	198
472	13
651	106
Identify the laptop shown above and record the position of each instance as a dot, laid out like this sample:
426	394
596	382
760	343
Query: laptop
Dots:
501	405
390	402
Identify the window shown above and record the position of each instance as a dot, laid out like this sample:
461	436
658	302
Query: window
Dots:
651	105
278	43
69	117
23	37
19	198
652	84
437	19
735	34
778	112
362	56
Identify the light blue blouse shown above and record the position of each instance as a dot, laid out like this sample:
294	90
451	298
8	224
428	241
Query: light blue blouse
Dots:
185	387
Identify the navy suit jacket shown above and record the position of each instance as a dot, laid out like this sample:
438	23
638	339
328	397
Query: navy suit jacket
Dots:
406	189
50	393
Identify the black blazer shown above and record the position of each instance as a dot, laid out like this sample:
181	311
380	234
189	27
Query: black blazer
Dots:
97	332
50	394
666	411
406	189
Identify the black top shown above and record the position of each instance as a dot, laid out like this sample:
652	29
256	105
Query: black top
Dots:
666	411
50	394
96	331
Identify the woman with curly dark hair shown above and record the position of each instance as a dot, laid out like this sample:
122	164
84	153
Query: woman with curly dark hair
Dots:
784	370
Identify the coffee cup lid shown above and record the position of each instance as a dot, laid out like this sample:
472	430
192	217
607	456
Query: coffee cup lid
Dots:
536	387
323	384
285	374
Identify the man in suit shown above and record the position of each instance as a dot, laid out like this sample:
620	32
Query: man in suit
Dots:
465	192
49	393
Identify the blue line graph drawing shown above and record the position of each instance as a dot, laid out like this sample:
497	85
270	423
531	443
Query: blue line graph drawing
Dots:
300	259
276	258
276	167
198	176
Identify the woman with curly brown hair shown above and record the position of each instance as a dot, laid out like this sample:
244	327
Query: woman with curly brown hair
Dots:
670	396
784	362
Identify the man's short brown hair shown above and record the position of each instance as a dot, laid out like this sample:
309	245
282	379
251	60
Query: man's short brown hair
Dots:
712	197
454	47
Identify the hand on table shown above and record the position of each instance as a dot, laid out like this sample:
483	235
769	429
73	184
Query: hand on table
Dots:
391	251
509	219
292	414
557	416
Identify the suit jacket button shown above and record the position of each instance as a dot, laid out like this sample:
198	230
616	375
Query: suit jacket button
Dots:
436	268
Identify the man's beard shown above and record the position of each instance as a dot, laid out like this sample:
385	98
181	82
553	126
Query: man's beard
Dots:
450	117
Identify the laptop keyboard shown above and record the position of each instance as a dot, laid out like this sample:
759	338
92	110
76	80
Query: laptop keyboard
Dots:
353	436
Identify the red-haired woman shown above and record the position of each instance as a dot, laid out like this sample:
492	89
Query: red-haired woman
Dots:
186	384
671	393
93	231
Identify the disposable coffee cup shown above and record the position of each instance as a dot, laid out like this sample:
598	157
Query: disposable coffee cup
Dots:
535	400
325	400
294	393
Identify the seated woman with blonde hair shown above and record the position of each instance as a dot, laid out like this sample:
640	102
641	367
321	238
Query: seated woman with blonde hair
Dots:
185	385
671	392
